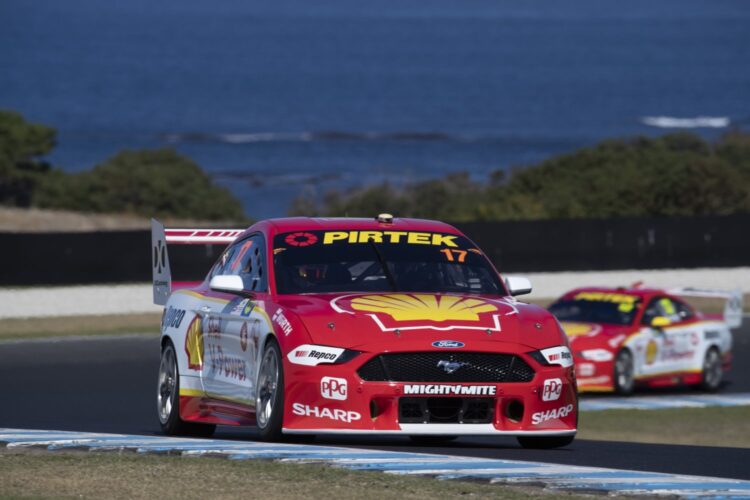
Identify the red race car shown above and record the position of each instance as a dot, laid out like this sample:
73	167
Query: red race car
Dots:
624	337
358	326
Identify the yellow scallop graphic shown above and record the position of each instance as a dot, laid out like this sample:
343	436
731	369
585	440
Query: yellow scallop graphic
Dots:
651	350
194	344
575	329
416	307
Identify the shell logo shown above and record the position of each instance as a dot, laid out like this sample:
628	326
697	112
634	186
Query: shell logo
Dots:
651	349
577	329
407	307
194	344
410	311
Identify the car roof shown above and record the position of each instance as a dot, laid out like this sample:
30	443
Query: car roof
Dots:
643	293
288	224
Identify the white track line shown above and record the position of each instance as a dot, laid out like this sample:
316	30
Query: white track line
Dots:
553	476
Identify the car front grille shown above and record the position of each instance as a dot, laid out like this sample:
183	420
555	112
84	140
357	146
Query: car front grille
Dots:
446	367
445	410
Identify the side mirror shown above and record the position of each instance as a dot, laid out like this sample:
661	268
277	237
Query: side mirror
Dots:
660	322
518	285
227	283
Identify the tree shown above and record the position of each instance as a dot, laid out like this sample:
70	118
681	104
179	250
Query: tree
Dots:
677	174
147	182
21	146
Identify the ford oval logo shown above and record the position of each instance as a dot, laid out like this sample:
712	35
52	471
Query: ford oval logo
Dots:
448	344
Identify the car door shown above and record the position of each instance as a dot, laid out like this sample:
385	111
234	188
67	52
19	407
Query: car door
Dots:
670	332
683	349
235	333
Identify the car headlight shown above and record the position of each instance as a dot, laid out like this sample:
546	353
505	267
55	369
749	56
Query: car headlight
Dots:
559	355
596	355
312	355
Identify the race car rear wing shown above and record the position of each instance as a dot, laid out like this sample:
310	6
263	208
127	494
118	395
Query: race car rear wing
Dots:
160	238
732	308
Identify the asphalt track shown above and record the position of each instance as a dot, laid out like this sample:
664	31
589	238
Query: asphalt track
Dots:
108	385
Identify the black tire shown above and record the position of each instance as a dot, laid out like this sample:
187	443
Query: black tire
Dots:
544	442
713	372
432	440
269	402
168	399
624	373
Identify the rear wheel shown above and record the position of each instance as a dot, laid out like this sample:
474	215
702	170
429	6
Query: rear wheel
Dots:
713	372
269	402
544	442
168	399
624	373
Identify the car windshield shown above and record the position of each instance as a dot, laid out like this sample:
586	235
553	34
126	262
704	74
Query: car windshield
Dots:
382	261
597	307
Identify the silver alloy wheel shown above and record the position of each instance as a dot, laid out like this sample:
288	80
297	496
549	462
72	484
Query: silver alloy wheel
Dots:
166	394
712	371
624	371
268	380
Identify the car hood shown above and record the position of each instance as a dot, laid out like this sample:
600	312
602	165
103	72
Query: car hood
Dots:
355	320
582	332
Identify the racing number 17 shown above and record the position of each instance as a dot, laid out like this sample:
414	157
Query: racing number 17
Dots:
460	255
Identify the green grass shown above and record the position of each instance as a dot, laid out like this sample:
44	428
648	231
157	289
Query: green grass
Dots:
16	328
713	426
39	473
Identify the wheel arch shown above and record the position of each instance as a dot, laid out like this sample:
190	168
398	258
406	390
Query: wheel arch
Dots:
712	345
166	339
623	347
271	337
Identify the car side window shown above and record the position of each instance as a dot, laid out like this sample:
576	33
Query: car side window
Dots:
675	310
222	265
684	311
250	264
246	259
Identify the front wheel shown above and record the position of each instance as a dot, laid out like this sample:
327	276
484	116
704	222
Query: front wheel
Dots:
624	373
544	442
168	400
269	401
713	372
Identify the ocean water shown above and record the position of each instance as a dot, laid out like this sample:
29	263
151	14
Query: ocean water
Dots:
280	98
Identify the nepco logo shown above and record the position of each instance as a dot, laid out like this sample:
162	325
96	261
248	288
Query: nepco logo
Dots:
333	388
552	389
559	355
448	344
312	355
419	311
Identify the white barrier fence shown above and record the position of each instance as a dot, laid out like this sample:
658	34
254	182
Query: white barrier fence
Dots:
131	299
